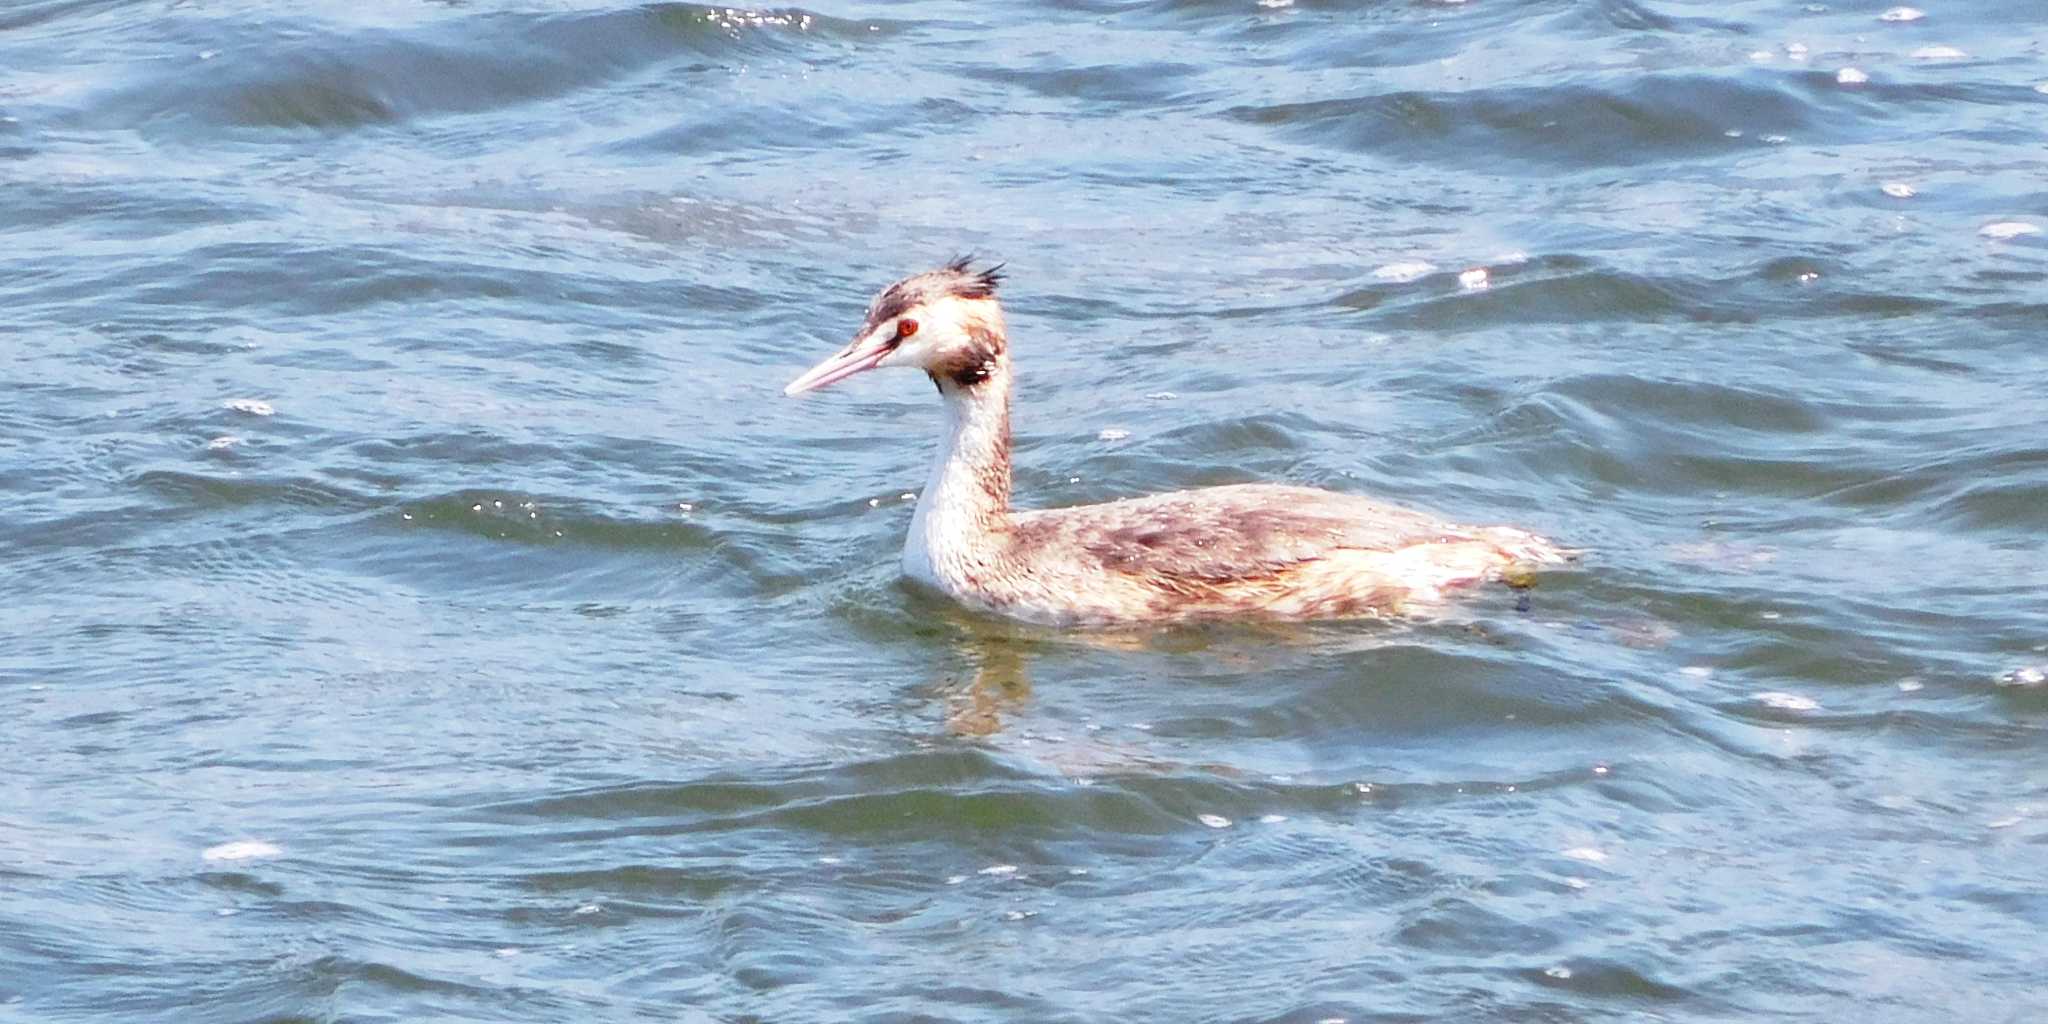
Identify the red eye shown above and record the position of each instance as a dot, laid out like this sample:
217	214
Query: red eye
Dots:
906	327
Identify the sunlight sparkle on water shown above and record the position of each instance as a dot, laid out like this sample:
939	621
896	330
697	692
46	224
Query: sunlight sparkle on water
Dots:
2025	676
1787	701
1404	271
2005	229
242	849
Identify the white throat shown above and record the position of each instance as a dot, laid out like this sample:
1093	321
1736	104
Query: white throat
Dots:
965	502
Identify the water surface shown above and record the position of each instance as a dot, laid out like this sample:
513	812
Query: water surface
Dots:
422	604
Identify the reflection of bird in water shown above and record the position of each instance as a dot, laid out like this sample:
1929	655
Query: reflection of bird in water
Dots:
1247	551
1000	683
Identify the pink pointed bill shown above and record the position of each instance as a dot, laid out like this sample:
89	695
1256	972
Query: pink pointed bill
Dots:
847	363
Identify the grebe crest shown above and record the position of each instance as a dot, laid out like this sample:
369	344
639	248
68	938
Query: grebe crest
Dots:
945	322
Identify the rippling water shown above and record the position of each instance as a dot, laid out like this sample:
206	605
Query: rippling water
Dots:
422	605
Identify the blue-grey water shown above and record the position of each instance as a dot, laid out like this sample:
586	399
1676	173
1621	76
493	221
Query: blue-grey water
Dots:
420	603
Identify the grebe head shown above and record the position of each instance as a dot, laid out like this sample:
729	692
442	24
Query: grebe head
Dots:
945	322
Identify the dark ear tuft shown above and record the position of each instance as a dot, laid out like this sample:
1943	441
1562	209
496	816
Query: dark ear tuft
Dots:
972	283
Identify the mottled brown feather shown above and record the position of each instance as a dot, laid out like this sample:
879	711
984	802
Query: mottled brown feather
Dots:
1223	534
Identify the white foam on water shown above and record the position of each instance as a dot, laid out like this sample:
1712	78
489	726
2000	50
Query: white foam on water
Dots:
1560	971
2026	676
2005	229
1404	271
1851	76
1787	701
1474	279
241	849
223	443
588	909
1898	190
1272	819
1902	14
1586	854
1939	53
251	406
1761	55
1796	51
1213	820
1112	434
999	870
1911	685
1696	671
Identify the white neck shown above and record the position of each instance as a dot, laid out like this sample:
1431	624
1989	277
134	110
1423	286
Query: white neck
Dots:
965	505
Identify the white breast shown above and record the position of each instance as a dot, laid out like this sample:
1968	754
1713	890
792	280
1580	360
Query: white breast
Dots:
919	563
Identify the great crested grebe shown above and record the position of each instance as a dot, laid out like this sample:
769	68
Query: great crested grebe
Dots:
1245	551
